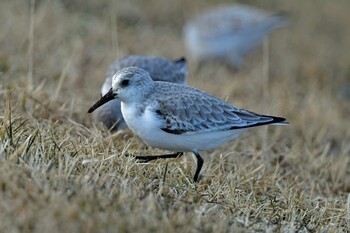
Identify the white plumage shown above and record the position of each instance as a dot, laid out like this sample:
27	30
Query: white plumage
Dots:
177	117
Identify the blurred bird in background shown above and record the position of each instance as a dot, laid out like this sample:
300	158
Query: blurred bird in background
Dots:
229	32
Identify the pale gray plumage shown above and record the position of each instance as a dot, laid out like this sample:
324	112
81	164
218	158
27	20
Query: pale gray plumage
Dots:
160	69
186	110
229	32
177	117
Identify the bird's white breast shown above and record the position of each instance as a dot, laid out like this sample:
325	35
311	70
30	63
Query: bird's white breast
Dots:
142	123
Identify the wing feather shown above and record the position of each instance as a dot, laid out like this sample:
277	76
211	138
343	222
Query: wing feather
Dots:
194	111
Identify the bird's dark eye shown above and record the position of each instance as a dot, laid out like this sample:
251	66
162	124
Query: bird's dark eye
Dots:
125	82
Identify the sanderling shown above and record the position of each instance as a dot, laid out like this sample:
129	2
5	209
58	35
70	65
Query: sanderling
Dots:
228	32
178	117
159	68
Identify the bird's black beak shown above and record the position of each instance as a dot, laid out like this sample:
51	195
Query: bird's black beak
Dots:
104	99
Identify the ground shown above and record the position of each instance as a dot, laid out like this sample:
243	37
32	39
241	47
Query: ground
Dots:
62	172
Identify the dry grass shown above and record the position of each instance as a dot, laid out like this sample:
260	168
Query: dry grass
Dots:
60	172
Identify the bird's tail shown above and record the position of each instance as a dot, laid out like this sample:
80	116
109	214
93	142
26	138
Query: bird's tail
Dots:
181	64
278	20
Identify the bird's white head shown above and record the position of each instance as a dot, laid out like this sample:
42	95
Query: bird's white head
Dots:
129	85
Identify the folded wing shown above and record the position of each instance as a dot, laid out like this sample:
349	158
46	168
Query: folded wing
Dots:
195	111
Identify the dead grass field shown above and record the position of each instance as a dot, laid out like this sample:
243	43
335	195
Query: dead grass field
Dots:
61	172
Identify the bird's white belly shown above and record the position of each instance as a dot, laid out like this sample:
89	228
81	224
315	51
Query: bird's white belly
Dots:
146	126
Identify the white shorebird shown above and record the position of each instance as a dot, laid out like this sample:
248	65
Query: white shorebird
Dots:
159	68
177	117
228	32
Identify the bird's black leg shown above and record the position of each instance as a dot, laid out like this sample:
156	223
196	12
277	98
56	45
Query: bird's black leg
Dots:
200	162
154	157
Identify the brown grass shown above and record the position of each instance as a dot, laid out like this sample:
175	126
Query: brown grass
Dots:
61	172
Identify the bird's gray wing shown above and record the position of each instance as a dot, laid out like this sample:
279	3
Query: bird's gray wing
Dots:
195	111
